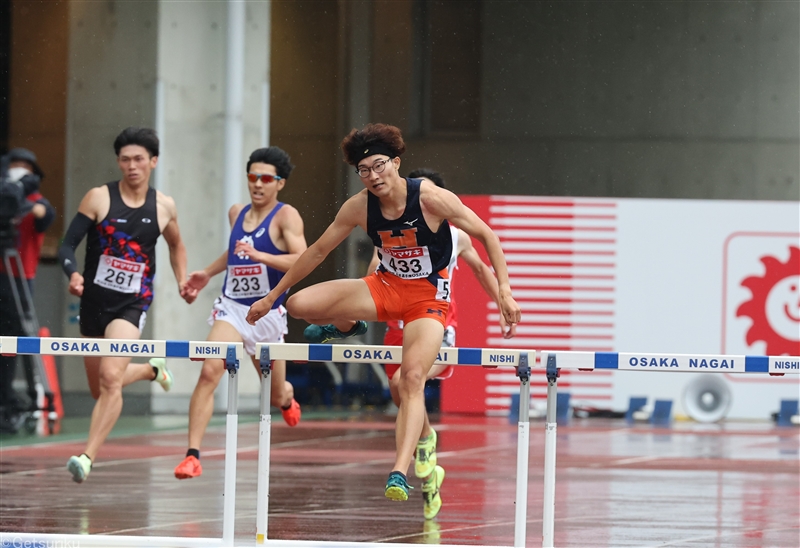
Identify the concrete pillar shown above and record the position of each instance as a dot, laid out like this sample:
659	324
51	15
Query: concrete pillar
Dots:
162	64
111	85
192	73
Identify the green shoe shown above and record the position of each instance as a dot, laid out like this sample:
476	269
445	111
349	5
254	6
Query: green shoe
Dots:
163	374
320	334
426	456
430	493
79	467
397	487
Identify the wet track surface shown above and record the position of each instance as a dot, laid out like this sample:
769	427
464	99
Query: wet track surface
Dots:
730	485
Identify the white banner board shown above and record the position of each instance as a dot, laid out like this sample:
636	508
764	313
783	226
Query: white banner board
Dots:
640	276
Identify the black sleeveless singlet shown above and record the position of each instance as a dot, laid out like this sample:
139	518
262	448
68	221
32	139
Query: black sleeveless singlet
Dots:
120	254
406	246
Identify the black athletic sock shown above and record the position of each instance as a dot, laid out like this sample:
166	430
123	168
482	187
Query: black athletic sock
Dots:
193	453
155	373
287	407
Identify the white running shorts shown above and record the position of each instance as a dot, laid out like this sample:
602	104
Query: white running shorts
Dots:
270	328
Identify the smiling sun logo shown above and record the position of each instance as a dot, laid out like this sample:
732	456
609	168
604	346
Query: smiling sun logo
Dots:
775	305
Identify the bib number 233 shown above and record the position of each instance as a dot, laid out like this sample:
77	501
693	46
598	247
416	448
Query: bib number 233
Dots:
247	281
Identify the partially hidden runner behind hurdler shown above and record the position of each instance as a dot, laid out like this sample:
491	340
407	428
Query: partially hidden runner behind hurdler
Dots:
408	220
123	220
425	464
266	239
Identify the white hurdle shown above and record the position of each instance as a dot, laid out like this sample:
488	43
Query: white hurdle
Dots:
231	353
554	361
352	353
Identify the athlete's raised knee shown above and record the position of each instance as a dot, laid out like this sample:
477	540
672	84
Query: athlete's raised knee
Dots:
297	306
306	308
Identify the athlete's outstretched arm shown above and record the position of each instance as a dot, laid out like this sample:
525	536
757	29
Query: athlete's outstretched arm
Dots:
353	213
177	251
200	278
95	202
485	277
77	230
445	204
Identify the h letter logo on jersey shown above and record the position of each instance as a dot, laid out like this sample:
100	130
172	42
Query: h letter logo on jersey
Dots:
408	238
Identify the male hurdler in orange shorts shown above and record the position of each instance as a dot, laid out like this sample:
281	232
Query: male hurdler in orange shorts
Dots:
407	219
426	465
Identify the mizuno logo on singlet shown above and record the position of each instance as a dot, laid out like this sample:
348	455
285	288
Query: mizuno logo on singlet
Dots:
411	223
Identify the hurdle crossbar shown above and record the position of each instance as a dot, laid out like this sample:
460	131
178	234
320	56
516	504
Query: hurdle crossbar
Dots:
554	361
231	353
356	353
364	353
130	348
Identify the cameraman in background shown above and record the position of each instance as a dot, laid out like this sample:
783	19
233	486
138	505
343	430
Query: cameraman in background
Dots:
22	229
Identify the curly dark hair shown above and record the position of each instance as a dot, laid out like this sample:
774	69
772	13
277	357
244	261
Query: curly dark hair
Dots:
429	174
274	156
388	136
142	136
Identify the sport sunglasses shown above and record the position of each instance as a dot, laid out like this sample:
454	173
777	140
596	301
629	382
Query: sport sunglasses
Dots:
265	177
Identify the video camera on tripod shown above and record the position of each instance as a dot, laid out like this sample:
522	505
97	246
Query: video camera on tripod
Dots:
14	205
16	184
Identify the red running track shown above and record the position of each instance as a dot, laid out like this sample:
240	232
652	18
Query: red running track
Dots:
731	485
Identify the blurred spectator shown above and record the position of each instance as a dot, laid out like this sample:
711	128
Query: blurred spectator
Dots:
22	230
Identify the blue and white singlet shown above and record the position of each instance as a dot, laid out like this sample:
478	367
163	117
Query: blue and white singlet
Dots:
248	281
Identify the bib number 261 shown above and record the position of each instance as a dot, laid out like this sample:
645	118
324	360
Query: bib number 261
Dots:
119	275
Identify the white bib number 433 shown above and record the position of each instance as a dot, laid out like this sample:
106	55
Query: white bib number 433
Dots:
246	281
119	275
407	263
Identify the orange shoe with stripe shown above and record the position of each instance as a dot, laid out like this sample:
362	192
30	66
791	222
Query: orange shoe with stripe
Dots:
292	415
190	467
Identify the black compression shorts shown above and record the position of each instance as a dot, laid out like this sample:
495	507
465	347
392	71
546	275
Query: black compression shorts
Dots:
94	319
